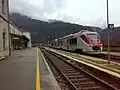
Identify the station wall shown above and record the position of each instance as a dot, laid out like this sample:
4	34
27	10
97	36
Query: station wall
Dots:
15	30
9	32
4	35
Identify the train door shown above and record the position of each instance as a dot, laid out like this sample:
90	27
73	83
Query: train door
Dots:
67	44
73	43
79	43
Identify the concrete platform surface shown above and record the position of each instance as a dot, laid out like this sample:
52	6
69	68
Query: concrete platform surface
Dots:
48	82
18	72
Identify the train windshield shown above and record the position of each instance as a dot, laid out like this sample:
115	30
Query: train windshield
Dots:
93	36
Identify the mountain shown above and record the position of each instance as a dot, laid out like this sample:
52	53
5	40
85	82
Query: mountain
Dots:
114	36
42	31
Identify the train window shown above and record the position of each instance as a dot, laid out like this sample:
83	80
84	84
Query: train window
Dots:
93	36
60	43
83	37
73	41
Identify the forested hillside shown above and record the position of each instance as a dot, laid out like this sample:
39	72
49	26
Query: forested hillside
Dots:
46	31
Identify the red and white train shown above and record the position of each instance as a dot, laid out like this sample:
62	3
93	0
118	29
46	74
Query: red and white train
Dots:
85	41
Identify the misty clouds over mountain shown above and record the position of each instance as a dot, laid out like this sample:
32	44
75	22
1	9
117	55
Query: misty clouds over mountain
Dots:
46	31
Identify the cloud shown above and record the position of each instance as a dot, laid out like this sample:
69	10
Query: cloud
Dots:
84	12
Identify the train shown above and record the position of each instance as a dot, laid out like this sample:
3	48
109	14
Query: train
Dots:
83	41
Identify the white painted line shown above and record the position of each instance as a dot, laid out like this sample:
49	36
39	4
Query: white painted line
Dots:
45	62
50	71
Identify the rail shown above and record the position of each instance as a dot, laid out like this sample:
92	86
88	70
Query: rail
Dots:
75	73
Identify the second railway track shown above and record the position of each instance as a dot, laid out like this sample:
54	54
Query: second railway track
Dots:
101	55
79	77
105	56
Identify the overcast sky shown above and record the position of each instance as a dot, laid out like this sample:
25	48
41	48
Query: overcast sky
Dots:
84	12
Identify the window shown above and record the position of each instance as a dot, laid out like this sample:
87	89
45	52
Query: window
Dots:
4	40
73	41
85	39
3	7
60	43
93	36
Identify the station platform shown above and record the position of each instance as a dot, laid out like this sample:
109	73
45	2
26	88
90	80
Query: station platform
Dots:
26	70
111	53
113	68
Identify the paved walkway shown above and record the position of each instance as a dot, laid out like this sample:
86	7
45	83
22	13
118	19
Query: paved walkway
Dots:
48	82
19	72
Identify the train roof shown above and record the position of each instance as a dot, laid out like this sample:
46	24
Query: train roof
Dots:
68	36
77	34
85	32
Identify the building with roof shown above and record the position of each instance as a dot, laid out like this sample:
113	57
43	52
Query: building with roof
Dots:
4	28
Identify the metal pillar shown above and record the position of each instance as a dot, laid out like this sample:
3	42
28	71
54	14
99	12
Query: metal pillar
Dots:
9	41
108	32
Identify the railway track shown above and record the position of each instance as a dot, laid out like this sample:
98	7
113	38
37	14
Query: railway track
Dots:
102	56
105	56
75	76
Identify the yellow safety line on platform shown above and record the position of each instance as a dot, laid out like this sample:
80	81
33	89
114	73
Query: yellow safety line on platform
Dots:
37	73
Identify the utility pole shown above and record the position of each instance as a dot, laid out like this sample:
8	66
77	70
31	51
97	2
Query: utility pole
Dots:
108	32
9	39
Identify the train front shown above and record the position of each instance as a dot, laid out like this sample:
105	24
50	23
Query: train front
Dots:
94	43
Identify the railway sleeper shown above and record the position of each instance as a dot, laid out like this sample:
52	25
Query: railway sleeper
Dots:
69	71
74	77
80	80
83	83
72	74
91	88
86	85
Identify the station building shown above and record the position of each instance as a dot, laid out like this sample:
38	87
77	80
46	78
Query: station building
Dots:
4	28
15	36
18	38
28	35
11	37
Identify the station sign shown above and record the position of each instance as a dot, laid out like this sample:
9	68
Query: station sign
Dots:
111	26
